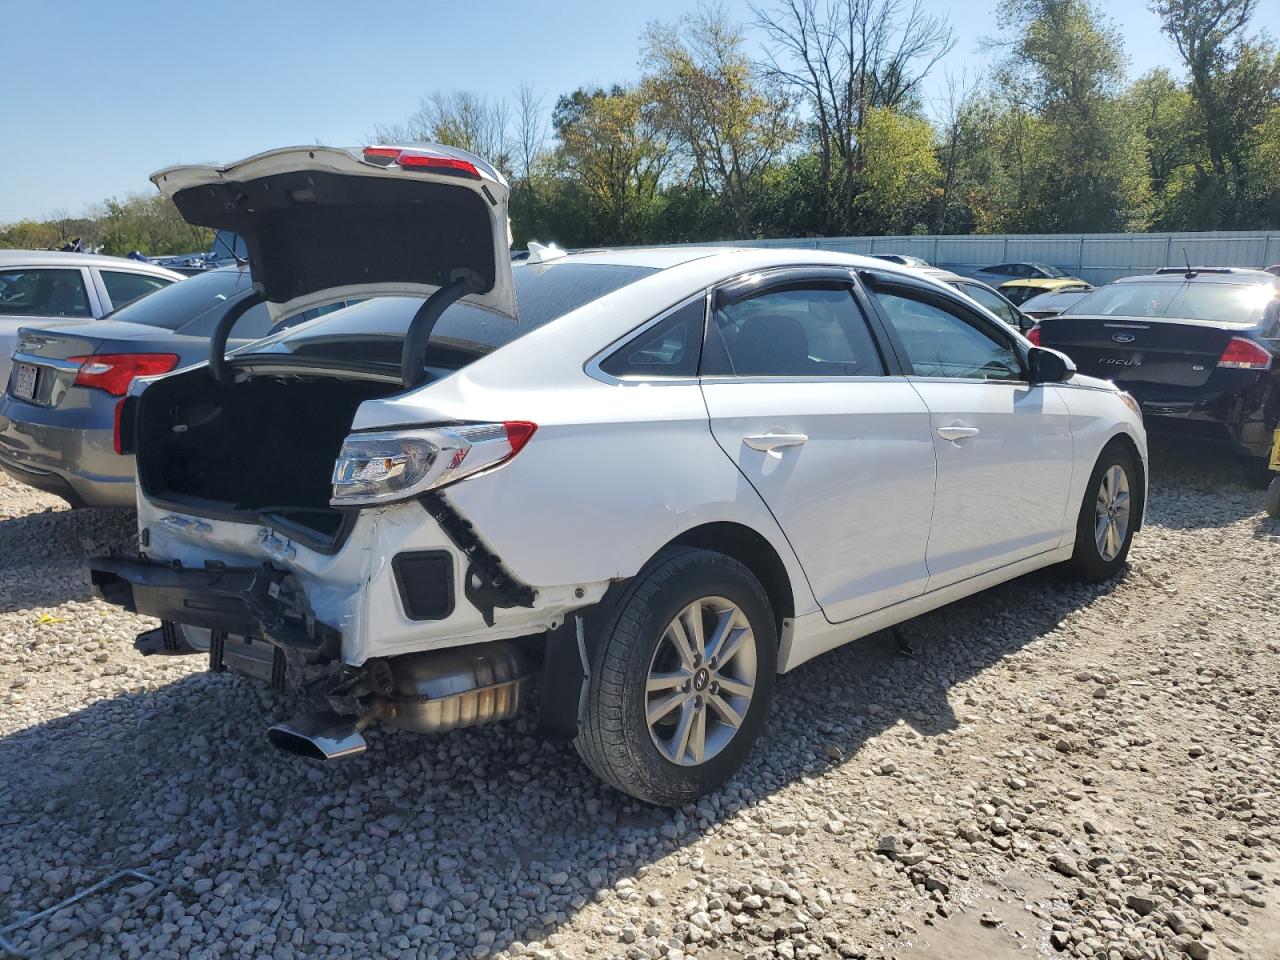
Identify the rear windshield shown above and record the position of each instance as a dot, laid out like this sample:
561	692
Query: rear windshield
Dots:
1049	270
1234	303
372	332
180	304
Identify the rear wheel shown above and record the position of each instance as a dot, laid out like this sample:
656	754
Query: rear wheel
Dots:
684	677
1104	529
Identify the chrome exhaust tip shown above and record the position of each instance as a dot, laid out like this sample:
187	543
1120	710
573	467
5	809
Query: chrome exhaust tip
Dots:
319	736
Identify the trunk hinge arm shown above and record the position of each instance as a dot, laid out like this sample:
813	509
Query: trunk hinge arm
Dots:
413	357
218	342
487	583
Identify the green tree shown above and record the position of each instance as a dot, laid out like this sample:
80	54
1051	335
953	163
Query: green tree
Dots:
900	172
1075	147
1234	82
614	152
731	120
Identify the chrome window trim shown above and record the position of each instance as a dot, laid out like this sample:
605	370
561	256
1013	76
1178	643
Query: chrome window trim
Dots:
592	367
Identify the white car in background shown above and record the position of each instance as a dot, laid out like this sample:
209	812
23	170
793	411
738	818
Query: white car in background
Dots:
41	288
663	478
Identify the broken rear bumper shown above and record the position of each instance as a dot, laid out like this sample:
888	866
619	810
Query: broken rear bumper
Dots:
260	602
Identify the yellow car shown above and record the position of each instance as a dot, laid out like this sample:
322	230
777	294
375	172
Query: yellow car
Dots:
1020	291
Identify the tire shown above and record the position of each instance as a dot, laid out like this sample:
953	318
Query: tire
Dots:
1258	473
1091	561
1272	502
640	641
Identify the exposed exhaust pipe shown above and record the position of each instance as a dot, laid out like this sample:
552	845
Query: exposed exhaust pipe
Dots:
429	693
325	736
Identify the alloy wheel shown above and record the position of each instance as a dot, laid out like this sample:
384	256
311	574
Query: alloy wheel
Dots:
1111	515
701	680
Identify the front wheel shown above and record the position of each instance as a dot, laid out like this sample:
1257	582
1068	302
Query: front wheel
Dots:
1104	529
682	680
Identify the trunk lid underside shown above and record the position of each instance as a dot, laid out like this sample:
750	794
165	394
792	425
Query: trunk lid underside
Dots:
323	225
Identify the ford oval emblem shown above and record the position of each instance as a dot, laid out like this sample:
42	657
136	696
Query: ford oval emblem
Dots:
1124	338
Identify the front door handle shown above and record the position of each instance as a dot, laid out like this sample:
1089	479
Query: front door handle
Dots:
768	442
956	433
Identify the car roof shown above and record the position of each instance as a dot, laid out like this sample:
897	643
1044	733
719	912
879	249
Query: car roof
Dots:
57	258
1205	275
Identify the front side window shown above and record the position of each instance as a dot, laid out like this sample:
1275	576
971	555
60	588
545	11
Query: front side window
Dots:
43	293
125	288
803	331
940	343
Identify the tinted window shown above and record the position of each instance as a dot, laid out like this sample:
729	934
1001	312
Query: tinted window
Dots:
43	293
1236	303
1048	271
124	288
373	331
1019	294
808	331
940	343
668	349
991	300
180	304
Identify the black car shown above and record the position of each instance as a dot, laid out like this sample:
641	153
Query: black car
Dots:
1196	347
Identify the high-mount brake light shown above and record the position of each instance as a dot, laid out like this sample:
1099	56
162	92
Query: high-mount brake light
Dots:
113	372
414	160
1243	354
389	466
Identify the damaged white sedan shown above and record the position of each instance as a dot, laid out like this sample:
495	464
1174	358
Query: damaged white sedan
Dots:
639	483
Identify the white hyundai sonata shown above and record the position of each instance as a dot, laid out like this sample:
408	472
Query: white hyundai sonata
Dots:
627	487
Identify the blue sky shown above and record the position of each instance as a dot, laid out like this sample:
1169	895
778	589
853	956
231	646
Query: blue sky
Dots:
99	95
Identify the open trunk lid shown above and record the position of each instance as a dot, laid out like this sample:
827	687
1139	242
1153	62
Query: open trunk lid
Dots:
322	225
1182	353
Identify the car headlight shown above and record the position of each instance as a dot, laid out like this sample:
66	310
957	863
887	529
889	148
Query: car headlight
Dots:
1131	403
387	466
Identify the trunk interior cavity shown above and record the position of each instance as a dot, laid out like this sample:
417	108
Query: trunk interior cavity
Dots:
264	446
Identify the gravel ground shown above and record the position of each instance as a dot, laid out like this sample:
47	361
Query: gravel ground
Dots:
1091	771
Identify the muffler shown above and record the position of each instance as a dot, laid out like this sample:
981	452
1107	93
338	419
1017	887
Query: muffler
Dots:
431	692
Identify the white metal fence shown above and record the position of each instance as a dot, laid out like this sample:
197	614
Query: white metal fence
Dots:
1096	257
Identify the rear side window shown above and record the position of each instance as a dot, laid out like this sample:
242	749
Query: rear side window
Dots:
124	288
670	348
187	301
942	343
803	331
50	292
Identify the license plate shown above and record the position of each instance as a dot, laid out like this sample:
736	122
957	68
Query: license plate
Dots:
1275	452
24	381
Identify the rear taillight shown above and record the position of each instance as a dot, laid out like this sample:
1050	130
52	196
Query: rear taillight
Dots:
1242	354
410	159
393	465
1034	335
113	372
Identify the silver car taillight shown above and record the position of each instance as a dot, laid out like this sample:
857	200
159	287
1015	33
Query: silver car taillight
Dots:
387	466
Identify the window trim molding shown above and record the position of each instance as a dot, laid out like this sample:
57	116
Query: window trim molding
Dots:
593	369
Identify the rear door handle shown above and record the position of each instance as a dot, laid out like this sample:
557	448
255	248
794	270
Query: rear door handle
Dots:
768	442
957	433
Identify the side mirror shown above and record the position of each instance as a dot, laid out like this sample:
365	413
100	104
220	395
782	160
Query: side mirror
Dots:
1049	366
